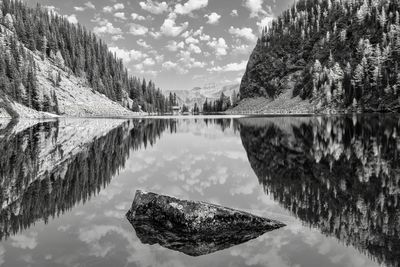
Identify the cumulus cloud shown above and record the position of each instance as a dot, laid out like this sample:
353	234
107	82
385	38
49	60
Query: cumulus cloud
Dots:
190	6
230	67
234	13
120	15
136	16
245	33
194	49
169	27
154	8
87	5
255	7
191	40
169	65
127	55
213	18
143	44
106	27
219	45
149	62
117	6
107	9
174	46
241	49
186	60
72	19
117	37
137	30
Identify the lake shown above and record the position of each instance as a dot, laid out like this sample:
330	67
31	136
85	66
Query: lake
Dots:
67	184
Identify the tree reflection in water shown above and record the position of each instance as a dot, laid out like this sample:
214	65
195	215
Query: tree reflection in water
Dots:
338	174
49	167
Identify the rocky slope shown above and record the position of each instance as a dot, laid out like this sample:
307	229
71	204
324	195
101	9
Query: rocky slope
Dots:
75	97
331	55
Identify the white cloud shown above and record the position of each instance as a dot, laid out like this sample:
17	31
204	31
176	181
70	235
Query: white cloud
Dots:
90	5
234	13
87	5
245	33
106	27
186	61
213	18
155	35
117	6
169	65
117	37
190	6
230	67
174	46
169	27
135	16
72	19
219	45
242	49
136	29
159	58
143	44
255	7
154	8
107	9
191	40
120	15
194	49
149	62
127	55
205	37
79	8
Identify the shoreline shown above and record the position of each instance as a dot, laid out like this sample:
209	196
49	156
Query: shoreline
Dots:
205	116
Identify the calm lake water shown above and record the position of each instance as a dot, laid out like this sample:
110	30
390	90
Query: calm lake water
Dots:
66	186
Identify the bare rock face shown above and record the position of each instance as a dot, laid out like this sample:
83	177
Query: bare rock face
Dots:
194	228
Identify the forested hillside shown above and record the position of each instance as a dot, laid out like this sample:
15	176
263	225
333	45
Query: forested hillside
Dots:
30	37
336	54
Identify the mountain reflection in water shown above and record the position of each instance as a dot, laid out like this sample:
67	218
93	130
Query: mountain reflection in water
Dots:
339	175
49	167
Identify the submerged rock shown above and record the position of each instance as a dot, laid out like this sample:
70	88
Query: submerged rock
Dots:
194	228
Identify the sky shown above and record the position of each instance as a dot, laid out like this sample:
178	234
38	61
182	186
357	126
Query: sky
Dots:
178	44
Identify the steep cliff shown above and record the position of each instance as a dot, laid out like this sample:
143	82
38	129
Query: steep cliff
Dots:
332	55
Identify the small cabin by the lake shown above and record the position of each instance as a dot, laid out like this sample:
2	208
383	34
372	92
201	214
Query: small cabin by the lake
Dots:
176	110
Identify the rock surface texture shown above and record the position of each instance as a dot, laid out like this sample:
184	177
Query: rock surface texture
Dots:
194	228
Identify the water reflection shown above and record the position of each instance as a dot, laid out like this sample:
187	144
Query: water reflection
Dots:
338	174
47	168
